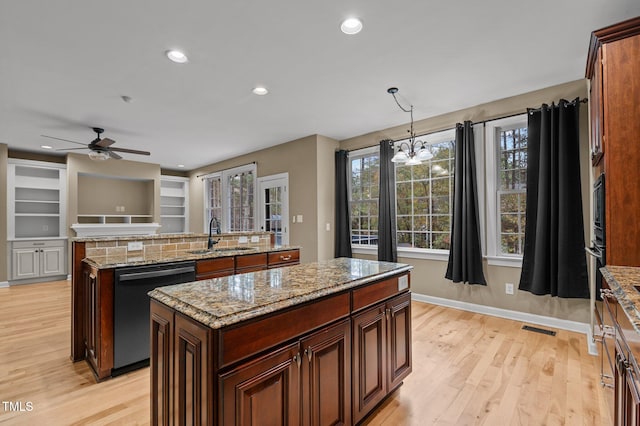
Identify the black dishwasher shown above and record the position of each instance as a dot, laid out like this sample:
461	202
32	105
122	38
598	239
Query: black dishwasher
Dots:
131	309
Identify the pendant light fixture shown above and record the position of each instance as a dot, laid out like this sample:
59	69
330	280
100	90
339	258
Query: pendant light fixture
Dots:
414	151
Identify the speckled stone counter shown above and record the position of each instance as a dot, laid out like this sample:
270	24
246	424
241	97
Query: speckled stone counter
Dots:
224	301
621	280
139	258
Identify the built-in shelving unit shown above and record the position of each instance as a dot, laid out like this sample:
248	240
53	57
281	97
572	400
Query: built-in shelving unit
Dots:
36	200
174	204
115	218
36	225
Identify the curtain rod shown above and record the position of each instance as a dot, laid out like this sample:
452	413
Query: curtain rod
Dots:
527	111
224	170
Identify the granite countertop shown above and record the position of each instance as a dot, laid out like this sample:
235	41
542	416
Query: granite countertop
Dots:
621	280
220	302
140	259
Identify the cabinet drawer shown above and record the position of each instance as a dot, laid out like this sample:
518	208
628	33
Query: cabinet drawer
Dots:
285	257
208	266
267	332
38	244
253	262
379	291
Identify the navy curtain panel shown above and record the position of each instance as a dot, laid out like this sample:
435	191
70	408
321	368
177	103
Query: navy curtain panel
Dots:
465	252
387	240
343	214
554	260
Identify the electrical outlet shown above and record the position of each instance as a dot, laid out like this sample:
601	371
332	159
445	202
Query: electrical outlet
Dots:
255	239
134	246
328	227
242	240
508	288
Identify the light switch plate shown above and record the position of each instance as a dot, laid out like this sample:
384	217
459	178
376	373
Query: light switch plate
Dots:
242	240
134	246
255	239
299	218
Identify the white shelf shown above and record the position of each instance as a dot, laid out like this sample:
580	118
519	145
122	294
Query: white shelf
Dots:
174	204
110	229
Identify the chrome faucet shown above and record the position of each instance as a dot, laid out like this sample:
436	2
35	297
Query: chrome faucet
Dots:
211	241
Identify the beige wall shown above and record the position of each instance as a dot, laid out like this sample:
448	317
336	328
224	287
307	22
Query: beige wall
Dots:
78	164
326	182
136	196
4	258
428	275
299	159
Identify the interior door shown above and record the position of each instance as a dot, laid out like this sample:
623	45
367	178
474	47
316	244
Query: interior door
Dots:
274	206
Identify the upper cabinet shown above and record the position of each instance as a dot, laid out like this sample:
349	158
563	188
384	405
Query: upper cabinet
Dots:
174	204
37	194
613	68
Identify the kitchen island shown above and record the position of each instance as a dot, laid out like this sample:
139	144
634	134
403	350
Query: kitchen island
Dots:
317	343
100	302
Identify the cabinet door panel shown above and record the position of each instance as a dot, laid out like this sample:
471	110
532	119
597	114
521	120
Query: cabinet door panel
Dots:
161	368
52	261
262	392
369	381
326	376
399	339
25	263
193	383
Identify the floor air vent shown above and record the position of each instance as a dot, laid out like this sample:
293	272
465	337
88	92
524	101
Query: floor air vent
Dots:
538	330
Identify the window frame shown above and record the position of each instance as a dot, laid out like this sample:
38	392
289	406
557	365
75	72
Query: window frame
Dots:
446	135
494	256
360	153
225	220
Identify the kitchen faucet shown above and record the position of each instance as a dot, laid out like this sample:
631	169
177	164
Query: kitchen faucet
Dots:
211	242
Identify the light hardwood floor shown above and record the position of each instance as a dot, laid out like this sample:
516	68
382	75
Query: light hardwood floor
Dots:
468	369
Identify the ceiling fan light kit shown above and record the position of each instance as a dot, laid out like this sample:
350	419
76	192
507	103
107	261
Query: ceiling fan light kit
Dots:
100	149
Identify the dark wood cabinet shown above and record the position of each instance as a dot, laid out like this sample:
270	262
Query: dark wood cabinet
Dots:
264	391
284	258
381	352
251	263
214	268
326	376
98	321
312	364
613	68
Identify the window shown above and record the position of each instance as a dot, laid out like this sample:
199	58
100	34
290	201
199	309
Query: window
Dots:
229	197
507	185
364	172
424	196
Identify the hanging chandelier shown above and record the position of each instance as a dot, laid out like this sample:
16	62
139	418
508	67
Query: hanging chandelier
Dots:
414	151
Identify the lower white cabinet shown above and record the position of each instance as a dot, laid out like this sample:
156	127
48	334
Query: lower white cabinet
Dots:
38	259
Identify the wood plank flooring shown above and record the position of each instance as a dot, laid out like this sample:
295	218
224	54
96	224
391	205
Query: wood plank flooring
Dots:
469	369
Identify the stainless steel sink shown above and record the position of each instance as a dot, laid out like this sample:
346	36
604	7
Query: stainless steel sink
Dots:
203	251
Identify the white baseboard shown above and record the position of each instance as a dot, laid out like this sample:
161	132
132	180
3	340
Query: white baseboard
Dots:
4	284
578	327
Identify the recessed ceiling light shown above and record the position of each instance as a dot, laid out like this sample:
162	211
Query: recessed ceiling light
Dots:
351	26
181	166
261	91
177	56
46	147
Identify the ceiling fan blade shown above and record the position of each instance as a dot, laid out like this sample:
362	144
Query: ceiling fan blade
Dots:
60	139
114	155
130	151
105	142
71	149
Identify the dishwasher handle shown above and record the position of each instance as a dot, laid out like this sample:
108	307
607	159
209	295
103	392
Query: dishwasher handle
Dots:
156	274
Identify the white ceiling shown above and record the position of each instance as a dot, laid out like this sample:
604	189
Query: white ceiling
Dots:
65	65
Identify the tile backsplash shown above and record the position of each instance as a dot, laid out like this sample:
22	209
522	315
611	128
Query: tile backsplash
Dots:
163	244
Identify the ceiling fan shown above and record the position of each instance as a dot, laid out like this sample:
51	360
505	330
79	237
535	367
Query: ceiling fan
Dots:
100	149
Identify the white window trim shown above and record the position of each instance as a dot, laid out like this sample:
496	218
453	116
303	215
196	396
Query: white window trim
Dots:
364	152
224	175
493	256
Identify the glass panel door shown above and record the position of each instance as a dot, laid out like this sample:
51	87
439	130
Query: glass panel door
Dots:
274	207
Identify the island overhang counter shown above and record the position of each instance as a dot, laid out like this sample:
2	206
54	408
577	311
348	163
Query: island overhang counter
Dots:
314	343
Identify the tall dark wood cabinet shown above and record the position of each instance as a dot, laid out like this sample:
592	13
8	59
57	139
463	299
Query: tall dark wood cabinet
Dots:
613	68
